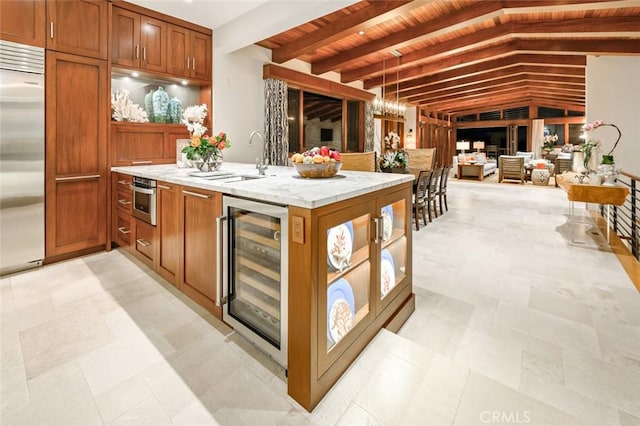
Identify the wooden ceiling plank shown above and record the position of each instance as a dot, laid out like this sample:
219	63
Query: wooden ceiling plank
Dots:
375	13
582	46
406	37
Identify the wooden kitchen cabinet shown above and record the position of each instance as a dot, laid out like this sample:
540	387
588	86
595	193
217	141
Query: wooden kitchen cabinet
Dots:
144	242
351	283
198	277
138	41
169	241
190	53
78	27
121	214
76	153
144	143
23	21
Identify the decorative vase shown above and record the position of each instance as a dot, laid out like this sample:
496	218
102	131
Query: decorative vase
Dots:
160	105
609	174
209	162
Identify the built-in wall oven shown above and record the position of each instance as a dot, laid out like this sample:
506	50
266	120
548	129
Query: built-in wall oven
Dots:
253	274
144	199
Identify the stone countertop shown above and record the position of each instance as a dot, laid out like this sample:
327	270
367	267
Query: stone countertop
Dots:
282	185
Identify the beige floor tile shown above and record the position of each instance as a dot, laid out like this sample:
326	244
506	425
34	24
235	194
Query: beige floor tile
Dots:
61	340
59	397
355	415
122	398
145	413
194	414
562	307
620	343
14	392
485	401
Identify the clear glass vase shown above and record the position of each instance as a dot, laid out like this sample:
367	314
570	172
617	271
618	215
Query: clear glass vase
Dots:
209	162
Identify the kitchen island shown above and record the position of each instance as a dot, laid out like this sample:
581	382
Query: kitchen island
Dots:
346	240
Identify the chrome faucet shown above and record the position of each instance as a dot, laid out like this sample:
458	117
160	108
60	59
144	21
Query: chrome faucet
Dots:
261	163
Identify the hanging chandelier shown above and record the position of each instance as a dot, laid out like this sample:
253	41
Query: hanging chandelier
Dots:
388	108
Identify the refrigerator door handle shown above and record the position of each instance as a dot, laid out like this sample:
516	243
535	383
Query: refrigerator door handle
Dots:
221	298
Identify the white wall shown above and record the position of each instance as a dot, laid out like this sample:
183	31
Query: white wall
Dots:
238	99
613	96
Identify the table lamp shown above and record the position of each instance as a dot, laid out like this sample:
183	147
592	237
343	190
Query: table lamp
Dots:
462	146
478	145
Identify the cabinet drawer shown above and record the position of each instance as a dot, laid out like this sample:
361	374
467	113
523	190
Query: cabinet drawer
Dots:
145	240
122	230
124	198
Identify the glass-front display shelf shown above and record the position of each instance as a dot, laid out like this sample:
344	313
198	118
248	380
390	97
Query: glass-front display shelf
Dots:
393	255
163	101
348	277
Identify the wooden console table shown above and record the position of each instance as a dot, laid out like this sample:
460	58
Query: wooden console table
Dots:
597	194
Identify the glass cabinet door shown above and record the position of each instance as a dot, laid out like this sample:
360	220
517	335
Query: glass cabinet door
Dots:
393	246
255	276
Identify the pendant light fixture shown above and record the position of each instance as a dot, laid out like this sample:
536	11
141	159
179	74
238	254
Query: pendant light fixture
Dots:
382	107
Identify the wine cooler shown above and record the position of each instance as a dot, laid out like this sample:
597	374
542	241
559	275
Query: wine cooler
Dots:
252	265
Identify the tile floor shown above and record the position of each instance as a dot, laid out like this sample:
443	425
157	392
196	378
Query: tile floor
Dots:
513	325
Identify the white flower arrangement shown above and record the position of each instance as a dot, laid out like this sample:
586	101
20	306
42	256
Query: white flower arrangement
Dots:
123	108
392	139
550	138
193	116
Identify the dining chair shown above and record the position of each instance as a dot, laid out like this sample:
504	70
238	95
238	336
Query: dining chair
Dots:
432	192
421	158
420	198
442	189
359	161
562	165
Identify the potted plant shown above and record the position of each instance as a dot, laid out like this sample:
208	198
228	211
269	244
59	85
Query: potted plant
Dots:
394	161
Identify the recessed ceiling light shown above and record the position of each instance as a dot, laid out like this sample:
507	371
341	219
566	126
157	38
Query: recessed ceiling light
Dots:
361	32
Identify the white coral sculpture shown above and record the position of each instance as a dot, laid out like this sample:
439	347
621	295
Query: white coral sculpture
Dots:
123	108
193	116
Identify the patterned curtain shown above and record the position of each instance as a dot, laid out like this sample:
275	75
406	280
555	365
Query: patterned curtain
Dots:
276	124
368	127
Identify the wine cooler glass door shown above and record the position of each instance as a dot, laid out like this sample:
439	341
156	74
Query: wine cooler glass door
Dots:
257	274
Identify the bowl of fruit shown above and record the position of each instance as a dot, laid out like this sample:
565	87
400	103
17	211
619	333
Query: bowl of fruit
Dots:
317	163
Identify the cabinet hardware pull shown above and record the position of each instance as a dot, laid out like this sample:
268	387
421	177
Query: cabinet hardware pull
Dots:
60	179
195	194
142	190
141	162
124	202
124	182
194	64
143	242
124	230
276	236
164	187
137	51
144	53
188	63
376	228
51	29
221	299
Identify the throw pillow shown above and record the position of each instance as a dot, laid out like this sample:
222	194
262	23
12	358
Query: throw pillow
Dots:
481	158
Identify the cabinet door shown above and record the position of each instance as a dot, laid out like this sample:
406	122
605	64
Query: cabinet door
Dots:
78	27
198	212
168	231
178	60
153	39
75	164
145	241
137	144
393	216
200	56
125	34
122	229
23	21
346	271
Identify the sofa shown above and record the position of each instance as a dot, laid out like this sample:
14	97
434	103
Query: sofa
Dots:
477	159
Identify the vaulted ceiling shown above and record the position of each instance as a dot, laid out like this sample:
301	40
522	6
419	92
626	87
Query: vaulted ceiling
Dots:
464	56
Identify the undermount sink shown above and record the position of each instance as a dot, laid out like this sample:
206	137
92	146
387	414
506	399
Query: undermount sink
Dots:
240	178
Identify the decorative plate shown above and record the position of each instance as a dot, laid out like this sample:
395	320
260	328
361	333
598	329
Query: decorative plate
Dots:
387	274
339	245
341	310
387	222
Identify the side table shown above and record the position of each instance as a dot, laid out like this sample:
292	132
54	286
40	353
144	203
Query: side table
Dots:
540	177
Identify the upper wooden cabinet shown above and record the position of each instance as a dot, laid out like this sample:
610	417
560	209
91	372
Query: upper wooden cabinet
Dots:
190	53
138	41
23	21
78	27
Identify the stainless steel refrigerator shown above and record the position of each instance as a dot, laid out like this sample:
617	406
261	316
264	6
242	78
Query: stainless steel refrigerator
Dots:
22	184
